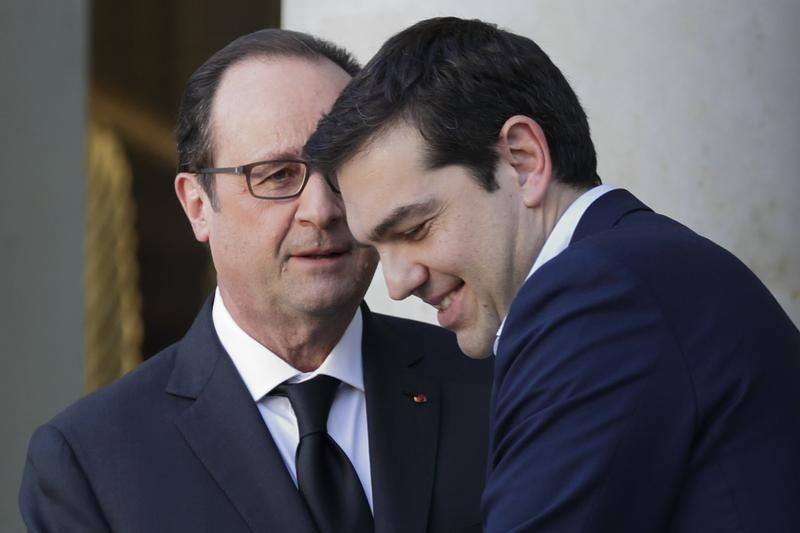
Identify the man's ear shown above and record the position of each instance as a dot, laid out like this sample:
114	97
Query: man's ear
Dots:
524	146
195	203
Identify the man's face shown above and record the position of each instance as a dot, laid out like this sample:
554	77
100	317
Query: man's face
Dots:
278	259
440	235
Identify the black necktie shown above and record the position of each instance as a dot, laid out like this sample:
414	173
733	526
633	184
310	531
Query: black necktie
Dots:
325	477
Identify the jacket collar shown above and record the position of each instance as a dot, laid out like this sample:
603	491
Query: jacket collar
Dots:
606	212
225	430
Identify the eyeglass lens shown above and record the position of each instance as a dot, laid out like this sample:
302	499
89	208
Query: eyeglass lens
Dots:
277	178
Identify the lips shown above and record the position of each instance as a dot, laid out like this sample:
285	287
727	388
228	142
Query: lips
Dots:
448	305
320	259
322	252
320	255
445	303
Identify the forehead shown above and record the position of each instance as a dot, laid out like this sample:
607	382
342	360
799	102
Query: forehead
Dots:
269	105
394	158
386	177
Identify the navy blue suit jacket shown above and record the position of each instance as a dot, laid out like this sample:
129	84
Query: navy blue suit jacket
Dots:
645	381
179	445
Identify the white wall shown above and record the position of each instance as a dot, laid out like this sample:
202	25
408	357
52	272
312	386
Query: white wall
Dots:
693	105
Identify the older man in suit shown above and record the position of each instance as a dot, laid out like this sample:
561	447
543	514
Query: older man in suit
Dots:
645	379
288	405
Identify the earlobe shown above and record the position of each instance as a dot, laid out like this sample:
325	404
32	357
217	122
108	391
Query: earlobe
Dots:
194	202
524	145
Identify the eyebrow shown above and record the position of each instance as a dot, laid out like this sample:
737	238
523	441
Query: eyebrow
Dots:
279	155
398	215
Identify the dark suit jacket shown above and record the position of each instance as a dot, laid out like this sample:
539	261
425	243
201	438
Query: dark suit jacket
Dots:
645	381
179	445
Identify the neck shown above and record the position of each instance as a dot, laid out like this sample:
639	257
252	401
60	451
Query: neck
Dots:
541	220
557	200
303	340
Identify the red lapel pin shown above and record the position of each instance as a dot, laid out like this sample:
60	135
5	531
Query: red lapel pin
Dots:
419	398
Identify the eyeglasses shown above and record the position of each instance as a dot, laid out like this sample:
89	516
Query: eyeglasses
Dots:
271	180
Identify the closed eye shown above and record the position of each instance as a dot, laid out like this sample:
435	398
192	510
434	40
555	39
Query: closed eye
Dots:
390	226
416	233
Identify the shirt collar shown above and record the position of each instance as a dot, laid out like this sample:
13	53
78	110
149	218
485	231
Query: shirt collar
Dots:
262	370
559	238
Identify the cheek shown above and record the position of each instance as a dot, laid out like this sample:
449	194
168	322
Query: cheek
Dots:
450	247
271	227
355	213
368	254
367	261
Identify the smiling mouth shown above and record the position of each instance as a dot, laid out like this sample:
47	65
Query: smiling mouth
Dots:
449	307
445	302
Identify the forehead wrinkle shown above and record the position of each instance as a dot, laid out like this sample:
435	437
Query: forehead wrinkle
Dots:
399	214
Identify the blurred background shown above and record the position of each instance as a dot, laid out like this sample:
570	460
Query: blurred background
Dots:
693	107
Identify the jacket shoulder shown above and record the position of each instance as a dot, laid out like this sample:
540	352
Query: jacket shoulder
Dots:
134	392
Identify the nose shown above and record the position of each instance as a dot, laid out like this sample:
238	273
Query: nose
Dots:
402	274
318	204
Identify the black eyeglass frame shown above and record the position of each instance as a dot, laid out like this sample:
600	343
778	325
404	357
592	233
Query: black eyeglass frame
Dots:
245	170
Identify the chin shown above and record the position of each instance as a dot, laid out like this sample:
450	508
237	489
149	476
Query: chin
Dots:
478	355
327	301
475	348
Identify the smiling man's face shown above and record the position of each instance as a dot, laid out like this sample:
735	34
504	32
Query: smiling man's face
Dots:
440	235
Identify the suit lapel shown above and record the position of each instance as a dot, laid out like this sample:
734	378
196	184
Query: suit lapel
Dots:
403	434
606	212
225	430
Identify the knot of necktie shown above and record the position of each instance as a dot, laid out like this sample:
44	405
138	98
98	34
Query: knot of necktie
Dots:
311	401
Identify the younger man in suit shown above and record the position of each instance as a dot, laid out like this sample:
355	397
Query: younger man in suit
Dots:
288	406
645	380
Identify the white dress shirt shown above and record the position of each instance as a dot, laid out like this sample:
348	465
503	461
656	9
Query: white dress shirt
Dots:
262	371
559	238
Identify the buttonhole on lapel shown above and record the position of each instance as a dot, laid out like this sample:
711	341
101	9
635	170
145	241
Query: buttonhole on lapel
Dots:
417	397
